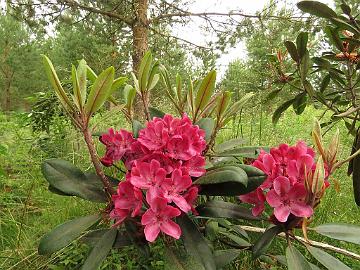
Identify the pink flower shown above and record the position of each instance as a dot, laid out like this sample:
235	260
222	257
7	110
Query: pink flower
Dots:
195	166
117	144
128	198
158	218
147	175
155	135
119	215
256	198
286	199
174	186
191	197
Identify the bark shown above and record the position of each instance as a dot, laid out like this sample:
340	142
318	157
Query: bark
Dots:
140	31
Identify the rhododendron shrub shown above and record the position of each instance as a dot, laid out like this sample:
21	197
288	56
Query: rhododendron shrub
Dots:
167	182
160	163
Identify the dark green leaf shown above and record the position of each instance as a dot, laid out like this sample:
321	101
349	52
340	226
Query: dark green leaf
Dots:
316	8
334	37
100	250
65	177
291	48
195	243
93	237
245	151
343	25
324	83
220	209
236	239
295	260
65	233
136	127
175	260
346	232
309	88
156	113
305	65
137	239
326	259
283	107
299	104
301	43
272	95
206	124
346	9
264	242
224	257
100	91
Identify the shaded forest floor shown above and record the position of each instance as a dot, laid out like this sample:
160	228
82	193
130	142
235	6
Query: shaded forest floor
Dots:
28	210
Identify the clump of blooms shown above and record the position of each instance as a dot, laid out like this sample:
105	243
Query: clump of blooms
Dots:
285	188
160	163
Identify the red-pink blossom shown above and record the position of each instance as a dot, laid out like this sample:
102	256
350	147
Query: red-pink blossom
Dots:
158	218
119	215
117	144
288	199
257	198
194	166
128	197
190	196
174	187
147	175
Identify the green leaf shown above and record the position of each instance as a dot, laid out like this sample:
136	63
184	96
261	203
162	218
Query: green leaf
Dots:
223	102
272	95
299	104
205	91
117	83
155	113
343	25
81	73
301	43
129	95
305	65
240	242
238	105
100	250
346	9
278	112
326	259
175	260
264	242
195	243
245	151
309	88
137	239
334	37
144	71
324	83
64	234
100	91
345	232
55	82
178	87
93	237
230	144
316	8
78	100
65	177
224	181
206	124
224	257
220	209
136	127
295	260
91	74
291	48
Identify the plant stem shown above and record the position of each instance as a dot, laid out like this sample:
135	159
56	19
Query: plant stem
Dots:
95	160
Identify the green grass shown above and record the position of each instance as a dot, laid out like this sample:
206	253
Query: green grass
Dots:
28	210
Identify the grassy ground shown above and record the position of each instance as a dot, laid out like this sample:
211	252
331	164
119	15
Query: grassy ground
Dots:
28	210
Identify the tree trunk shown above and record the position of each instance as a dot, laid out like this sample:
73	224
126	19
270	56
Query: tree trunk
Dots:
140	45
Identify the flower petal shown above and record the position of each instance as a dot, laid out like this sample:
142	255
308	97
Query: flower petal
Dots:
169	227
281	185
151	231
273	198
300	209
282	213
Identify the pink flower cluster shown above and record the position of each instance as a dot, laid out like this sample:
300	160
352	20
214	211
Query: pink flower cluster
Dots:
160	163
283	189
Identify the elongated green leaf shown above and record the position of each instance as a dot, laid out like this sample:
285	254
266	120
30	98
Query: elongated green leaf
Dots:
230	144
236	239
154	82
326	259
343	25
81	73
155	113
283	107
65	177
137	239
225	181
345	232
76	87
65	233
316	8
301	44
117	83
295	260
195	243
206	124
100	91
178	87
93	237
100	250
205	91
220	209
144	71
55	82
245	151
129	95
324	83
175	260
222	103
299	104
91	74
305	65
291	48
334	37
238	105
224	257
264	242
